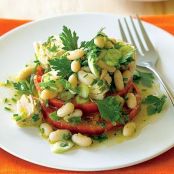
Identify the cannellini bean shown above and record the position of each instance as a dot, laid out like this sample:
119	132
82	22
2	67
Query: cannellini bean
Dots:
86	78
109	44
81	140
59	135
65	110
73	80
103	74
99	41
46	129
47	94
129	129
103	65
132	66
127	75
108	78
26	72
118	80
113	40
75	66
76	54
86	68
76	113
131	100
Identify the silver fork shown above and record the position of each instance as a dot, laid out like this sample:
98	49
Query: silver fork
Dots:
146	58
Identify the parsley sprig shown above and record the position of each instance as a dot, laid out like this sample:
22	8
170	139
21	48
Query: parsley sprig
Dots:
110	109
25	86
154	104
62	66
69	39
145	78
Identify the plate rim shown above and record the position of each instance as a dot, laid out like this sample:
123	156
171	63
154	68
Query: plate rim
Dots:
7	34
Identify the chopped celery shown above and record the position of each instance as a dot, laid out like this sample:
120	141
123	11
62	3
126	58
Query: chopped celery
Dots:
81	100
83	90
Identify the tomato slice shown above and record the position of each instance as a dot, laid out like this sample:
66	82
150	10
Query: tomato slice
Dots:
87	108
39	70
89	127
91	107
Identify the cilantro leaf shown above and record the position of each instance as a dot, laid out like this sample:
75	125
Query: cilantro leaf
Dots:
51	85
62	66
54	116
35	117
69	39
75	120
109	109
154	104
100	138
23	87
144	78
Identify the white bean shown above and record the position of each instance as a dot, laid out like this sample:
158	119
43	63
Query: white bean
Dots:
59	135
46	129
127	75
26	72
131	100
109	44
73	80
86	69
65	110
108	78
113	40
129	129
99	41
103	65
47	94
81	140
118	80
132	66
76	54
76	113
86	78
75	66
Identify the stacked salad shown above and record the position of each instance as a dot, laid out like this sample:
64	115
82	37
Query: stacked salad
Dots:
75	92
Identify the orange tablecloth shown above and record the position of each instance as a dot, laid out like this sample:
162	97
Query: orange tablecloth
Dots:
164	164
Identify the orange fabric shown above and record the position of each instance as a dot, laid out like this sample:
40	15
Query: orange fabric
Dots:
163	164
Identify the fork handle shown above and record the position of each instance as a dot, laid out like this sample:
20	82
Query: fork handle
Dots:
163	83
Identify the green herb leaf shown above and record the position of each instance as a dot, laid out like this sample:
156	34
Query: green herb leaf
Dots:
110	109
23	87
7	108
69	39
75	120
155	104
35	117
100	138
54	116
144	78
62	66
48	85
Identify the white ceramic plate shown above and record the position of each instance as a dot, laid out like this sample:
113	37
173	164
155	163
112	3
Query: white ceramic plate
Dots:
16	50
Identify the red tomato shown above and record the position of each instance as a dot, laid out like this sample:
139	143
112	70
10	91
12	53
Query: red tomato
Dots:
89	107
39	70
89	127
38	78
